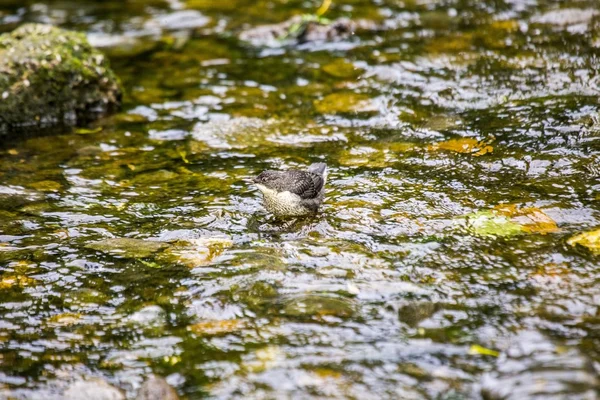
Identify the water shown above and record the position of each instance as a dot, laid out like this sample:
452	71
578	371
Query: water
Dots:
462	142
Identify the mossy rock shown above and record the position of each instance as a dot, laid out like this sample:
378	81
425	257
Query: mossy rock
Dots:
50	76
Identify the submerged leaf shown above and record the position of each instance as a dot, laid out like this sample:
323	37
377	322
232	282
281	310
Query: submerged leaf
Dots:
489	223
590	240
216	327
83	131
16	280
264	359
150	264
509	219
346	102
198	252
47	186
341	69
480	350
463	145
532	219
66	319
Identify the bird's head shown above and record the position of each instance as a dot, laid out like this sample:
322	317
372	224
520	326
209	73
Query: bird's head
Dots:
266	180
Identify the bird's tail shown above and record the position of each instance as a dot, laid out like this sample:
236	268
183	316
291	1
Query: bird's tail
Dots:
318	168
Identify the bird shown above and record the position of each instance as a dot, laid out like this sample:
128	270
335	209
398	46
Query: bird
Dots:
293	193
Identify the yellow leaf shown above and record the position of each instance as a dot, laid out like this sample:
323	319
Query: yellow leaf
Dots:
8	282
47	186
480	350
326	373
484	150
172	360
13	152
66	319
346	102
509	25
463	145
532	219
590	239
83	131
264	359
539	222
216	327
183	155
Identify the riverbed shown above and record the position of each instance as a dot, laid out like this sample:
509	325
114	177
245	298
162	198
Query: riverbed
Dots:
462	142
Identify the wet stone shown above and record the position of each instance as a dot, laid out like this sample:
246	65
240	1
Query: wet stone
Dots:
234	133
128	248
342	69
149	316
179	20
534	367
346	102
413	313
156	388
315	305
566	16
93	389
296	30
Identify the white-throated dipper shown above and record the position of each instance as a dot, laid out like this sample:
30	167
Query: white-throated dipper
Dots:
293	192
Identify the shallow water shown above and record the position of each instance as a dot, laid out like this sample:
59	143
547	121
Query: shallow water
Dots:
462	140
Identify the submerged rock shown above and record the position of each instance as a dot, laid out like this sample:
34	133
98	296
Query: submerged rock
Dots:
51	76
128	248
300	29
318	305
93	389
533	367
149	316
234	133
346	102
156	388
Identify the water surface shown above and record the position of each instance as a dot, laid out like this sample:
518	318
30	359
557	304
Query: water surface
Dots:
462	142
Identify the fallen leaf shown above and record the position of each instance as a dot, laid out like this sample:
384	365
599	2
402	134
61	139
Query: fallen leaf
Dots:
509	219
463	145
480	350
47	186
532	219
66	319
83	131
265	358
590	240
10	281
326	373
489	223
198	252
150	264
346	102
216	327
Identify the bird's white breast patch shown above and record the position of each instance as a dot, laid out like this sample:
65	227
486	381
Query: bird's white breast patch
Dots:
282	203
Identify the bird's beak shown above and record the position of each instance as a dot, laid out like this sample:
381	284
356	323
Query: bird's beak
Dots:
250	180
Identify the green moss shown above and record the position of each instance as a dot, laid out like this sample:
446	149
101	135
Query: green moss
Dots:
51	76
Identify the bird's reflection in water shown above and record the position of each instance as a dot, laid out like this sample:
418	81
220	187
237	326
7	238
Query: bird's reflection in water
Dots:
264	224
